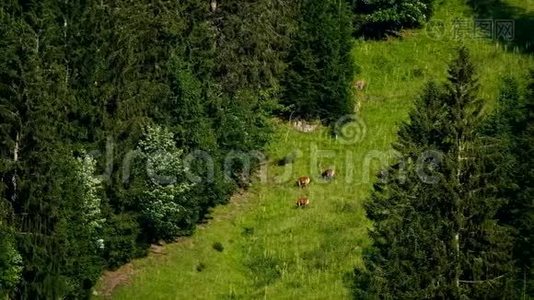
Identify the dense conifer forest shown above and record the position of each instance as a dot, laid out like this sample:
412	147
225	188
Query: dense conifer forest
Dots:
128	125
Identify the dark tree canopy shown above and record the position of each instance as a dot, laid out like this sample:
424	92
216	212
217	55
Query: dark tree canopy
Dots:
317	83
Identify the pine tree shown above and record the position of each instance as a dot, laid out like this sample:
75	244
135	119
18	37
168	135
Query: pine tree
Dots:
320	68
59	257
10	259
525	203
435	232
510	126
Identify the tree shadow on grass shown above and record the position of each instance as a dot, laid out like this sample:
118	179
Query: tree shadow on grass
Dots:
501	12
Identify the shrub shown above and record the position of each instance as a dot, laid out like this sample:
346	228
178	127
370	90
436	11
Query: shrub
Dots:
120	246
377	18
218	246
165	207
201	267
10	263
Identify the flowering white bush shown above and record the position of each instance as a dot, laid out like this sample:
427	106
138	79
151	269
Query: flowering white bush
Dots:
10	263
164	203
90	214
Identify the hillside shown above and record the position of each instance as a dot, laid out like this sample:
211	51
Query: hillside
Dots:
274	251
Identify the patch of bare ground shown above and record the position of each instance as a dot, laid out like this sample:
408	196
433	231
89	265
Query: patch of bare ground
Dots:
111	279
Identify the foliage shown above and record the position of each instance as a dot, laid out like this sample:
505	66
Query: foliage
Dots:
376	18
164	204
81	77
121	244
510	126
218	246
435	213
315	252
90	195
10	259
317	83
90	75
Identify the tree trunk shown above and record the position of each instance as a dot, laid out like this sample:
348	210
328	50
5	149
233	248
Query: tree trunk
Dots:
458	216
15	160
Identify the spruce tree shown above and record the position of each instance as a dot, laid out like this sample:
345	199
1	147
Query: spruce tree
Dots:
525	202
320	68
435	232
510	126
10	260
59	257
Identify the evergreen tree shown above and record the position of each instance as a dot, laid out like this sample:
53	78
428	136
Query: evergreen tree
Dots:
510	127
59	256
320	68
10	259
80	76
435	232
525	203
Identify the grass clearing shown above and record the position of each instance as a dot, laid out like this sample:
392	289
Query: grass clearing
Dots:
260	246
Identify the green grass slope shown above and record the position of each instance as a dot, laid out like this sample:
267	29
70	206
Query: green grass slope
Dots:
273	250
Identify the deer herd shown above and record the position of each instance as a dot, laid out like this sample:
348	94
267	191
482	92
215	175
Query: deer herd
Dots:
305	181
328	174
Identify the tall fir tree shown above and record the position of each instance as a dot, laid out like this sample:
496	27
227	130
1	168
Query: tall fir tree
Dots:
435	232
510	126
320	67
525	206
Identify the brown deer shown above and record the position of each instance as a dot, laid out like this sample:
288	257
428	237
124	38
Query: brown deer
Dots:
303	202
303	181
328	174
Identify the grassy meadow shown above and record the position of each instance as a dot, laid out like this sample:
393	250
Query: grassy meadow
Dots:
272	250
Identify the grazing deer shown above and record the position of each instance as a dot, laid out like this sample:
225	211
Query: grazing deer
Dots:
303	181
328	174
303	202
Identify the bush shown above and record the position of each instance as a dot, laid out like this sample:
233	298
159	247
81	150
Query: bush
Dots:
120	246
201	267
218	246
377	18
163	199
10	263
